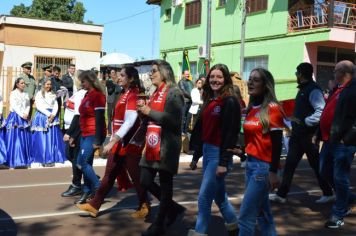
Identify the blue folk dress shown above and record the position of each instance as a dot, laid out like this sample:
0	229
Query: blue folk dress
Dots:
2	137
17	131
47	138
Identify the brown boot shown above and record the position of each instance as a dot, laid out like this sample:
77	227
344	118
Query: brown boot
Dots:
142	212
88	208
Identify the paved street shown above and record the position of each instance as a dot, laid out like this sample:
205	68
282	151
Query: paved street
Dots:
30	204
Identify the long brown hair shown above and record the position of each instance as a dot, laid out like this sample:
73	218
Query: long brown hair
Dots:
269	96
226	90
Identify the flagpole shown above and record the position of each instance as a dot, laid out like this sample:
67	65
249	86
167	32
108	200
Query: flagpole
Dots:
208	36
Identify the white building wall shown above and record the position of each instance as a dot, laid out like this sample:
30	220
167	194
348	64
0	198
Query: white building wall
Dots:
16	55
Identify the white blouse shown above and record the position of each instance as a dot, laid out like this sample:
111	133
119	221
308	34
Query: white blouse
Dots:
196	101
70	113
19	102
48	101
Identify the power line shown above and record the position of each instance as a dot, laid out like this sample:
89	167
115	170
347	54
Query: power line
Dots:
128	17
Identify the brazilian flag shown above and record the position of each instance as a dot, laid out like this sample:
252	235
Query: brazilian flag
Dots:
186	64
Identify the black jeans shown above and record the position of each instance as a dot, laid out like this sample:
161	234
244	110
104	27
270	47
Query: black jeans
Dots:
186	117
298	145
163	192
72	154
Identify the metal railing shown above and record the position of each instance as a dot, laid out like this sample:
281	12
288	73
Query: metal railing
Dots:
317	16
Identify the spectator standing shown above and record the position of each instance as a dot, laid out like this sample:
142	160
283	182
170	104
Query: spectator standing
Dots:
216	130
163	144
18	128
309	104
338	132
68	80
47	74
2	137
47	138
30	83
186	86
197	99
110	90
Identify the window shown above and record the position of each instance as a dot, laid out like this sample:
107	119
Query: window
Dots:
256	5
252	63
41	61
193	13
221	3
168	14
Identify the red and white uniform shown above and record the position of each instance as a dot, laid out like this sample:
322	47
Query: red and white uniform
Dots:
93	100
125	111
259	145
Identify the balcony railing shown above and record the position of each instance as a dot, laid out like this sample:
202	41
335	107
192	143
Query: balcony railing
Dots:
318	16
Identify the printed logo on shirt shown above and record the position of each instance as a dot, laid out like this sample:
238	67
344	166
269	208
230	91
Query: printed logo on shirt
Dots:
217	110
160	97
152	139
250	122
87	104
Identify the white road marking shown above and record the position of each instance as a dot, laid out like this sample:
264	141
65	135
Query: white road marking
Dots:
237	197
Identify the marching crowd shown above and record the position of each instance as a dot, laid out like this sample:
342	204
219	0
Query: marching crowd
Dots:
146	138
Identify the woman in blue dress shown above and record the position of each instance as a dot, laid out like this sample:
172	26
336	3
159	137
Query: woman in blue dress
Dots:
47	138
17	133
2	137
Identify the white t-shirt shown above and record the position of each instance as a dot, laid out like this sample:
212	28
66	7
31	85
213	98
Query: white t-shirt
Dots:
72	107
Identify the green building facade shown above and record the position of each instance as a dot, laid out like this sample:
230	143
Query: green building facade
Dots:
279	35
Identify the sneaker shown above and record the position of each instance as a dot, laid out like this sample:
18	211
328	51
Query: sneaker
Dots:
334	222
275	198
325	199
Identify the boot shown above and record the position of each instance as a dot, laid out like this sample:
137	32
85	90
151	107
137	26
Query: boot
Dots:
72	191
88	208
173	214
142	212
191	232
83	198
232	229
155	229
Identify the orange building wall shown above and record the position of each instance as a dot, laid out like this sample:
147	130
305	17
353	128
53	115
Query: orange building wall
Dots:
47	38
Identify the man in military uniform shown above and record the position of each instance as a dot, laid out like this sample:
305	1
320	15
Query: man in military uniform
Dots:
47	74
30	83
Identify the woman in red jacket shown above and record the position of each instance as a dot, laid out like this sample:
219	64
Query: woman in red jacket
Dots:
124	157
93	127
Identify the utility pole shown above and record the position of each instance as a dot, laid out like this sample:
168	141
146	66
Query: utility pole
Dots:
242	45
208	37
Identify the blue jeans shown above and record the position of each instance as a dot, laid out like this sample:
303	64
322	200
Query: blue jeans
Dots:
335	165
255	204
85	164
212	188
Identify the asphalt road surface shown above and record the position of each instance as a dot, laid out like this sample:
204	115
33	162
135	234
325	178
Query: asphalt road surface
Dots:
30	204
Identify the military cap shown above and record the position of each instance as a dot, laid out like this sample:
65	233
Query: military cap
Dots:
27	65
47	67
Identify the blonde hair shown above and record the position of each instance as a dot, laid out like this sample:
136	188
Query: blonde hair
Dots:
91	77
269	97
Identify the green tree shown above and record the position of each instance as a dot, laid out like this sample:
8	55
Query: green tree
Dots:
58	10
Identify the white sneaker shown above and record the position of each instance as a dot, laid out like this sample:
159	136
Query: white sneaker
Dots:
325	199
275	198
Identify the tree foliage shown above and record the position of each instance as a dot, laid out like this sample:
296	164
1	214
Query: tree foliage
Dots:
57	10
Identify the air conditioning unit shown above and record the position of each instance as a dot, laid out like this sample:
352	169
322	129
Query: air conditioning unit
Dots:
176	3
202	51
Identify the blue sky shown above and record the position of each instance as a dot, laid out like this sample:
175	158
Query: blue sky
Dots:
136	36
